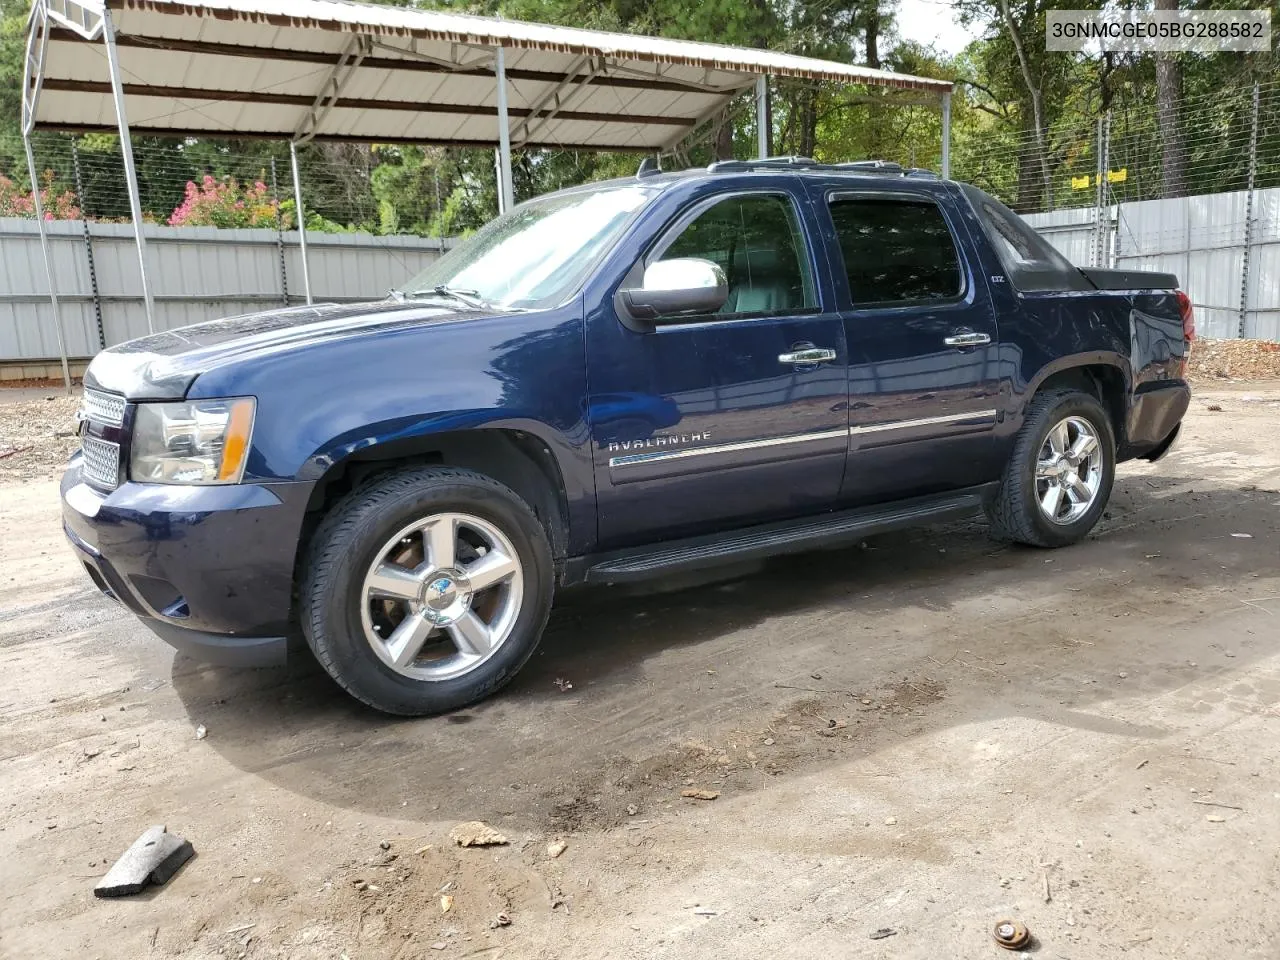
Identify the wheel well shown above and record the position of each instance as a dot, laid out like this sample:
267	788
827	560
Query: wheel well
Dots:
1100	380
515	458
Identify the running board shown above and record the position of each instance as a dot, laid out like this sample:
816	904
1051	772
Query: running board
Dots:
792	536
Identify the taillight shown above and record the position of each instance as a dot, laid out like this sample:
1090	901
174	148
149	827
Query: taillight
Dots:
1188	316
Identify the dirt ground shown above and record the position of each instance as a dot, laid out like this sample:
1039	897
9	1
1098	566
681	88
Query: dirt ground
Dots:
921	736
37	433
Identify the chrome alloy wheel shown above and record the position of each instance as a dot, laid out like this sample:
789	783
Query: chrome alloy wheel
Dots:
441	596
1069	470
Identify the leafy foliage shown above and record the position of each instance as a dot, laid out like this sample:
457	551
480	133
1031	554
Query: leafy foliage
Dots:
225	203
17	201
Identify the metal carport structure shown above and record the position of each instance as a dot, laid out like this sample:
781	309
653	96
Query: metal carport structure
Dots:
321	70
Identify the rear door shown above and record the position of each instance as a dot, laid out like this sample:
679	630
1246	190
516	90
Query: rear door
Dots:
925	379
733	418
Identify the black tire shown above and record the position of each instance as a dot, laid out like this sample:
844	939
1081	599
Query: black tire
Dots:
347	542
1015	512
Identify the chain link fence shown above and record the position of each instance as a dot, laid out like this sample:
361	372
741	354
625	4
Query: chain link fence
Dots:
1224	141
374	189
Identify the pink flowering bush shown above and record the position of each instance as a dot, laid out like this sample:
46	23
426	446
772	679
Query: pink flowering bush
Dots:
225	203
16	201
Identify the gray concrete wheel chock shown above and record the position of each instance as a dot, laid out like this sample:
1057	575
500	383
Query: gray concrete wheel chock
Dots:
152	859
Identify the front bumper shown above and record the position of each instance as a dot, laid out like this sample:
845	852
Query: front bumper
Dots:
208	569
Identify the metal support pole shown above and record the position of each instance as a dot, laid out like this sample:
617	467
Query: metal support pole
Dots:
88	244
1115	244
48	261
1243	326
505	190
762	116
946	135
497	179
435	173
275	199
130	173
302	220
1099	178
1107	257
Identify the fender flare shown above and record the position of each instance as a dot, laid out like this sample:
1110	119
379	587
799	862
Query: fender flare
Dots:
1108	358
1091	358
570	460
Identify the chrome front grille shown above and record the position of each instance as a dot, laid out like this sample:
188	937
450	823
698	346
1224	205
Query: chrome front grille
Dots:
103	407
101	461
101	457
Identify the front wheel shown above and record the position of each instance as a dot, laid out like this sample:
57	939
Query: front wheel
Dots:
1059	478
426	590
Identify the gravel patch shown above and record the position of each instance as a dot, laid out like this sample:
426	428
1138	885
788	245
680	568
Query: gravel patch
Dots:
1234	360
37	436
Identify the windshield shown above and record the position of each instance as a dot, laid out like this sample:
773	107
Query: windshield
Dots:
536	255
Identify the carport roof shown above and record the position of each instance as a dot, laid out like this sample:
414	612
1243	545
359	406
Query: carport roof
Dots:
332	70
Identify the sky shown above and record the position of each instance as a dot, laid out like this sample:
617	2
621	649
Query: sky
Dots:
932	22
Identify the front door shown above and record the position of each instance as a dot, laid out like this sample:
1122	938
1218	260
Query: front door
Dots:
924	379
728	419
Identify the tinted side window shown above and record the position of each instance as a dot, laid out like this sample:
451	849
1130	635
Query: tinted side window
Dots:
756	240
896	250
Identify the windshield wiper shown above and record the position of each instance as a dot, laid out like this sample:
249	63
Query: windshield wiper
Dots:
471	298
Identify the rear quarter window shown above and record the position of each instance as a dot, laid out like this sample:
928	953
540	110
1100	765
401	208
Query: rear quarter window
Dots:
1030	262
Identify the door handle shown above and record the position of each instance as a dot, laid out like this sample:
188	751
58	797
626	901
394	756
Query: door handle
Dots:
808	355
967	339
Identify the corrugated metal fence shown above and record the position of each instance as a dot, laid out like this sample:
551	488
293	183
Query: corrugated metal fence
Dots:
197	273
1228	263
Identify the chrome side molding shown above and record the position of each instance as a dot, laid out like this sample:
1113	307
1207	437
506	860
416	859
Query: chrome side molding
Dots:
629	460
635	458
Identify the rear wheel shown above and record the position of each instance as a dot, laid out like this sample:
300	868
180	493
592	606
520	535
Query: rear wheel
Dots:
426	590
1059	478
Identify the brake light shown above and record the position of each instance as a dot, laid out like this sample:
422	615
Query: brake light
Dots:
1188	316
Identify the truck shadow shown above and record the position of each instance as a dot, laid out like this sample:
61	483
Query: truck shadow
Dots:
802	662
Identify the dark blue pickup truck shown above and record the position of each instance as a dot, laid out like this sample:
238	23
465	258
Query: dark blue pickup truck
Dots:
609	383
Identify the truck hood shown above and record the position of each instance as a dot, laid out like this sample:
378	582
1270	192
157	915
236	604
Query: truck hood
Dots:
163	366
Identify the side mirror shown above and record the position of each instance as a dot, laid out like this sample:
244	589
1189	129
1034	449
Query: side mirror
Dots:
681	286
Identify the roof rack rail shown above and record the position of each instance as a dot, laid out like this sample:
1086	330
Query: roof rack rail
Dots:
649	167
886	167
725	166
880	166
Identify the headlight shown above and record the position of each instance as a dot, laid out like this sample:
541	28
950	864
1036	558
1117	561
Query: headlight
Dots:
200	442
